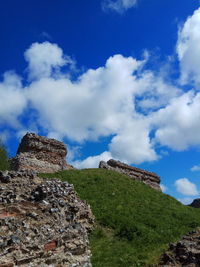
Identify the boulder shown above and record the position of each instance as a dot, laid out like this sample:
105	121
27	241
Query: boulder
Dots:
40	154
149	178
42	222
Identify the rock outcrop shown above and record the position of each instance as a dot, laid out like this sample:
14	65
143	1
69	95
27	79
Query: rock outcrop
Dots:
149	178
40	154
185	252
42	222
195	203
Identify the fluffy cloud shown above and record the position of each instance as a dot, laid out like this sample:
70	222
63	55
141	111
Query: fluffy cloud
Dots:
178	124
154	91
92	162
119	6
188	49
195	168
12	99
106	91
43	59
132	143
185	187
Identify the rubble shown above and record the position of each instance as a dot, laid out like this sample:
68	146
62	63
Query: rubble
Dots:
149	178
40	154
42	222
186	252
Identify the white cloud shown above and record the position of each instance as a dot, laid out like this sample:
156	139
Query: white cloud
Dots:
73	152
43	59
155	92
163	188
188	49
186	200
106	91
185	187
178	124
93	161
119	6
132	143
195	168
12	99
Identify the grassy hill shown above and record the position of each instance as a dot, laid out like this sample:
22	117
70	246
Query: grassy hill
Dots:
134	223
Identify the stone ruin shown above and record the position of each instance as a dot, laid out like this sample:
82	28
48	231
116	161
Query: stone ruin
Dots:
42	222
149	178
185	252
195	203
40	154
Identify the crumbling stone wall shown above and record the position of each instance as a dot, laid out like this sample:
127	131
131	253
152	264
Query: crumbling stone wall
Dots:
42	222
40	154
186	252
149	178
195	203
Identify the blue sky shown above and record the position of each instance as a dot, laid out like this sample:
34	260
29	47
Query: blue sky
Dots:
111	78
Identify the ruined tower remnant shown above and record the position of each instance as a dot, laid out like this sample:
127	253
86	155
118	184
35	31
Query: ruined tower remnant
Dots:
40	154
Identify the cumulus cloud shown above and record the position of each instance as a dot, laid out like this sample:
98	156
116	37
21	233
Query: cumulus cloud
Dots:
155	92
132	143
188	49
185	187
106	91
119	6
12	99
195	168
43	59
178	123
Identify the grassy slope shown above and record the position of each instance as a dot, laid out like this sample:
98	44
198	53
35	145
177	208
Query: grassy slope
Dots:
134	222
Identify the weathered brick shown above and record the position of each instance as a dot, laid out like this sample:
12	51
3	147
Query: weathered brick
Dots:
50	246
8	264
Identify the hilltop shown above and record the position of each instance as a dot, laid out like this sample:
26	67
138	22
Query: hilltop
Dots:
134	223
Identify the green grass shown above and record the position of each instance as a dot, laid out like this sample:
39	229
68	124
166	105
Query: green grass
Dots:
134	223
4	160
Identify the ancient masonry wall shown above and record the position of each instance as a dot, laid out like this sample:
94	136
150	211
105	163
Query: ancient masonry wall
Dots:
149	178
185	252
42	222
40	154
